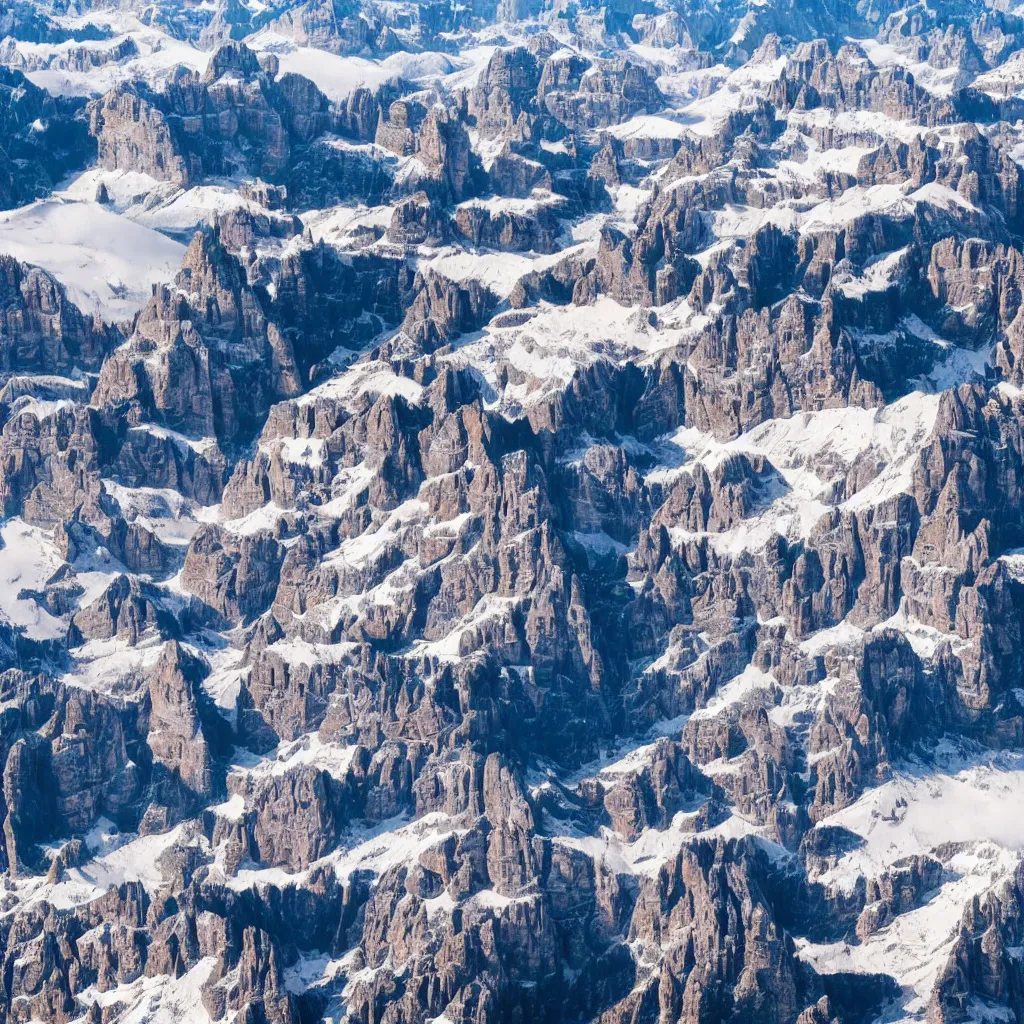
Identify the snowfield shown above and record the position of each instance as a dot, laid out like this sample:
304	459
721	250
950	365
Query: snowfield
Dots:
107	264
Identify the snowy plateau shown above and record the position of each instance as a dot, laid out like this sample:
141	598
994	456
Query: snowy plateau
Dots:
512	511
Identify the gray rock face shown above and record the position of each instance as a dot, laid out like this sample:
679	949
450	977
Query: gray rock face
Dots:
237	579
179	720
237	112
43	332
132	133
211	333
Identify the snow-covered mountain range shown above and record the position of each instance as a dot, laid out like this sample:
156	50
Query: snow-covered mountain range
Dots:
512	511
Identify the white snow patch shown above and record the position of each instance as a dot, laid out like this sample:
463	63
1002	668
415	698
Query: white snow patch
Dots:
28	558
107	264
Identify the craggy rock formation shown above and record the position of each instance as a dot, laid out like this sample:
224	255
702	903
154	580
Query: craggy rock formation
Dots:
552	549
44	138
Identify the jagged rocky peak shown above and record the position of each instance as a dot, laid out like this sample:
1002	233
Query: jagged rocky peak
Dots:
511	511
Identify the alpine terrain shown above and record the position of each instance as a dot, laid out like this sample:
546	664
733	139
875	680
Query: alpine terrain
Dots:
511	511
